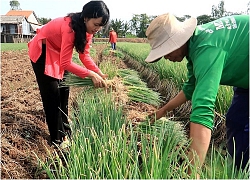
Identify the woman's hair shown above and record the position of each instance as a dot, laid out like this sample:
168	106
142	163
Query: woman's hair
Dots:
93	9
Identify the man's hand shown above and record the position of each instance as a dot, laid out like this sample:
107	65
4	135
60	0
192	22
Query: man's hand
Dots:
157	115
178	100
152	117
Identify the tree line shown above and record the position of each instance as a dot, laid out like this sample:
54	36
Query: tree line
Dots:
137	26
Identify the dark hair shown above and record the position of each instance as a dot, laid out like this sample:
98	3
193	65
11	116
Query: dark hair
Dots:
93	9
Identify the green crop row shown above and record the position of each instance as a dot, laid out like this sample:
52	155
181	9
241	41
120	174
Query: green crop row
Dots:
105	145
174	72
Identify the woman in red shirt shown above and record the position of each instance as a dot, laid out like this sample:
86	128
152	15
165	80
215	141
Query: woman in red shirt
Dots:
51	53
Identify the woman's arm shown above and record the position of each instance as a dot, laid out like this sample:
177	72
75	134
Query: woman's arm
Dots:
85	57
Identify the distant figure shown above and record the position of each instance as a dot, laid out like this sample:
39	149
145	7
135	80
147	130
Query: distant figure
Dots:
112	38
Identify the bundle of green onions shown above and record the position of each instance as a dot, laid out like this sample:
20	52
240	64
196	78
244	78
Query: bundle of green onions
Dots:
144	94
73	80
137	89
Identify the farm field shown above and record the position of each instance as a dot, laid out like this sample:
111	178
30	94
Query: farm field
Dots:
23	127
24	131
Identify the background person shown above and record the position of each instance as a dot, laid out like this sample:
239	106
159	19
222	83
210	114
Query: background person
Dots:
112	38
51	53
217	53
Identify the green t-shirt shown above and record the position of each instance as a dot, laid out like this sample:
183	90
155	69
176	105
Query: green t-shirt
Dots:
218	54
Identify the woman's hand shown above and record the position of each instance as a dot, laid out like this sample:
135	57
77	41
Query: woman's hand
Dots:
104	76
98	80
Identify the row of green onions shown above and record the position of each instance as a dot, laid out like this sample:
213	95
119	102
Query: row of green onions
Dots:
137	89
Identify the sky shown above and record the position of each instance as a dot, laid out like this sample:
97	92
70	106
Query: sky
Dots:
124	9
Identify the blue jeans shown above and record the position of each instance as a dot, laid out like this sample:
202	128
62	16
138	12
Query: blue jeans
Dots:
237	123
113	46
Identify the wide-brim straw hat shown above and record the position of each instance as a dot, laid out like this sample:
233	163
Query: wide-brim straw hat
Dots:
166	34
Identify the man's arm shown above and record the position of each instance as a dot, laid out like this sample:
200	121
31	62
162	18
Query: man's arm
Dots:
200	136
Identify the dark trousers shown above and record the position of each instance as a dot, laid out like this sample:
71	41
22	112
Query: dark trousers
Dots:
237	123
55	100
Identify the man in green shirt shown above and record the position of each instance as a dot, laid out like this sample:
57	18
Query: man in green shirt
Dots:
217	54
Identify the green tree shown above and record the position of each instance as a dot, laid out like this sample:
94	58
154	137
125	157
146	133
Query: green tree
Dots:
135	24
248	8
218	11
117	25
120	27
44	20
183	18
14	5
180	18
125	28
203	19
139	24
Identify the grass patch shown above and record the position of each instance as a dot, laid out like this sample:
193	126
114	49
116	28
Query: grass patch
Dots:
13	46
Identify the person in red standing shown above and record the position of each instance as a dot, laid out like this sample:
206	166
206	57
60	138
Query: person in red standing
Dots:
51	51
112	38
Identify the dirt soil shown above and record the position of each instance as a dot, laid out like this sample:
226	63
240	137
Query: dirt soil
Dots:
24	133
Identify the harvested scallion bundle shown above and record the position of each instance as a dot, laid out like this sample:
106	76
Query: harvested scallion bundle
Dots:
133	81
73	80
144	94
137	89
126	72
